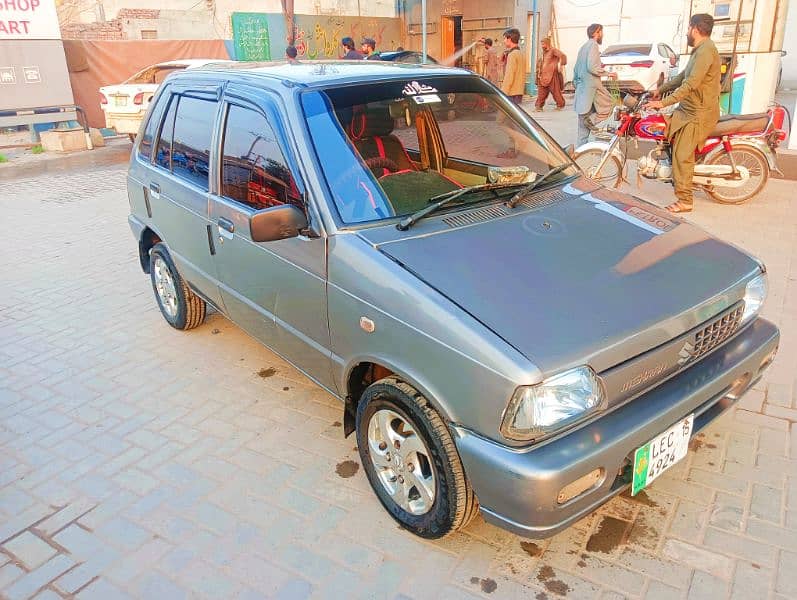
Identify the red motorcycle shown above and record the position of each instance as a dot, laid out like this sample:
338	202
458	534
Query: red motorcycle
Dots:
732	167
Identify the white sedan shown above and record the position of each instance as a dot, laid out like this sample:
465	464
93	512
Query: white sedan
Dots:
640	67
125	104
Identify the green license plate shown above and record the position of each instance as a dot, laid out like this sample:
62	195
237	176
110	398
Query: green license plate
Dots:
660	453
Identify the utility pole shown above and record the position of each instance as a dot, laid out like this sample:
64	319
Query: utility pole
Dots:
423	31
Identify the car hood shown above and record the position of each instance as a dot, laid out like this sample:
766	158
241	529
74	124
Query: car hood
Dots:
593	278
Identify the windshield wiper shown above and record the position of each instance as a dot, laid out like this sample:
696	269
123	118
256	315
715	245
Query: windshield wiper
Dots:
522	194
441	200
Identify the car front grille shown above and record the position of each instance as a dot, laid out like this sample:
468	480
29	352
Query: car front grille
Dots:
715	333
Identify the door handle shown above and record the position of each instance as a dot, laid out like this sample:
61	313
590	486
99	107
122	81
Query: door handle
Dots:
155	190
226	228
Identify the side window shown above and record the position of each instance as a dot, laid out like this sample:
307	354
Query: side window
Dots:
193	129
148	138
163	156
663	51
254	171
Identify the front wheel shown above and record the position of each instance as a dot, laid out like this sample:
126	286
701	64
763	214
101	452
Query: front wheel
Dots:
611	173
756	164
411	460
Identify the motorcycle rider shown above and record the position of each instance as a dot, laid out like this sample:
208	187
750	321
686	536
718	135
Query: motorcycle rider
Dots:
697	89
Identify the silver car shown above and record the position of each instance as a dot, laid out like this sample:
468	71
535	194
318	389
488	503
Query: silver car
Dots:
505	335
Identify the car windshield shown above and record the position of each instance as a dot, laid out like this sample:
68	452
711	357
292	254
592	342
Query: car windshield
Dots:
387	149
154	74
627	49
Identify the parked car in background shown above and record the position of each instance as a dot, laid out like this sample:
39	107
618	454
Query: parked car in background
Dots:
503	333
640	67
126	103
403	56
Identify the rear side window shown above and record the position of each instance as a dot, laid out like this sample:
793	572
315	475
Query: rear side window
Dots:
193	129
163	156
148	138
254	171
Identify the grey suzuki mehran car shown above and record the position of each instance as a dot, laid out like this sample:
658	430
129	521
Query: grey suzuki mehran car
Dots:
505	335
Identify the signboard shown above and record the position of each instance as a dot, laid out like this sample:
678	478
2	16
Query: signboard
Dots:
250	36
29	20
33	74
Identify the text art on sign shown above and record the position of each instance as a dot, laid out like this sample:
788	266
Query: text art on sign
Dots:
28	20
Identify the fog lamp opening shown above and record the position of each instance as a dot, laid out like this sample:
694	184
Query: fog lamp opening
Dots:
581	485
739	387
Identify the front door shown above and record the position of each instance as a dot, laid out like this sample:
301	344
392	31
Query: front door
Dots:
276	291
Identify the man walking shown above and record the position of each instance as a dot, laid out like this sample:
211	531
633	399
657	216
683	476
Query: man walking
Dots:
549	76
514	83
591	96
697	89
351	53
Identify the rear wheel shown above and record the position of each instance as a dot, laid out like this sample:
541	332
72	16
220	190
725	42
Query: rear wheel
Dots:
611	173
756	164
181	307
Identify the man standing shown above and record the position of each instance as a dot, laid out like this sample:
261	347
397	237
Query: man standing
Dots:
368	48
698	91
492	63
549	76
290	54
514	83
591	96
351	53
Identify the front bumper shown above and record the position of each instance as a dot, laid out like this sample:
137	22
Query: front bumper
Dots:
518	489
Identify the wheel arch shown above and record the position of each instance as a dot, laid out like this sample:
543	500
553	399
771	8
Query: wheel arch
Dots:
363	371
146	241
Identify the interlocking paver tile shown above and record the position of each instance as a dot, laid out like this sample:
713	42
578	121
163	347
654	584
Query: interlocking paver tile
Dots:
30	583
30	549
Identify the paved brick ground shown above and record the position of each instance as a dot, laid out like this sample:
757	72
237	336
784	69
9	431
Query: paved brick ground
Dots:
136	461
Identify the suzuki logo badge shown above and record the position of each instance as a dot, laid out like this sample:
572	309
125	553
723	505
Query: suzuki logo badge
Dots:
686	354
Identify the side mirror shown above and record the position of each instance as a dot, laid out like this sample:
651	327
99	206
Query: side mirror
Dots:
570	150
277	223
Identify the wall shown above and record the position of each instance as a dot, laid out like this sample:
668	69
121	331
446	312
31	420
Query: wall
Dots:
789	79
622	20
319	36
189	19
499	15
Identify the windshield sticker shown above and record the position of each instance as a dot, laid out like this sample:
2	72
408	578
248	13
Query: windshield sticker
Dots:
414	88
427	99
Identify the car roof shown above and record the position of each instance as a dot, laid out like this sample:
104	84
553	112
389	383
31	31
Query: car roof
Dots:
324	73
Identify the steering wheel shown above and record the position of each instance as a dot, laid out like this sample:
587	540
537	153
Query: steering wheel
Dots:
378	162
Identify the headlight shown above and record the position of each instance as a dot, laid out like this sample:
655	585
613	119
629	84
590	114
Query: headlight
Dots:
536	410
754	297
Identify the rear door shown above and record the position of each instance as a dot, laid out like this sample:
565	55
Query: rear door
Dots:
178	186
274	290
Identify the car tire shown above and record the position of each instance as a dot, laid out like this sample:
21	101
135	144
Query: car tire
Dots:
432	495
181	307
